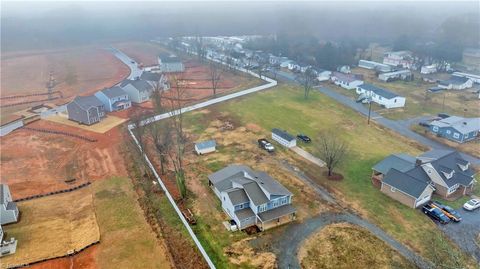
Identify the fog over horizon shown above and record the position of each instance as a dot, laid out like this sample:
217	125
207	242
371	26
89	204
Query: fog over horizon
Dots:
32	25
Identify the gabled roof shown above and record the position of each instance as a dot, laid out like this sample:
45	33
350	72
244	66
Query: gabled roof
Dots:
169	58
283	134
255	193
237	196
405	183
86	102
113	92
150	76
3	191
400	161
462	125
379	91
454	80
276	212
140	85
206	144
346	77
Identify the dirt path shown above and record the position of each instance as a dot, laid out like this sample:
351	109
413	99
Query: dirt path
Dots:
287	245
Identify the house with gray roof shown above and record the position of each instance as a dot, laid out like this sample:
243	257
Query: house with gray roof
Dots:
284	138
381	96
138	90
86	110
114	99
457	129
346	81
157	80
252	197
8	208
7	247
456	83
413	180
169	63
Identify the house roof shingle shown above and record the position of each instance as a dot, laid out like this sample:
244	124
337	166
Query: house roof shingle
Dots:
276	213
140	85
405	183
402	162
113	92
283	134
462	125
86	102
382	92
454	80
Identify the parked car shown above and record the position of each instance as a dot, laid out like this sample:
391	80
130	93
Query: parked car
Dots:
435	214
472	204
448	211
264	144
304	138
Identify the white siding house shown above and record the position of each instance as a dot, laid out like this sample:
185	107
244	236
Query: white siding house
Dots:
381	96
456	83
346	81
283	138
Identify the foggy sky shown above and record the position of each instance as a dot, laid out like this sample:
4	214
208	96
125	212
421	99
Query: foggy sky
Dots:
46	24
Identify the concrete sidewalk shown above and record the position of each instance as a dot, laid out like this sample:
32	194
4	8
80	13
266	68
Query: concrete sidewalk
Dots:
309	157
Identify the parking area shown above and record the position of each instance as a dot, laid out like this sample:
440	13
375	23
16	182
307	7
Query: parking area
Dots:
465	233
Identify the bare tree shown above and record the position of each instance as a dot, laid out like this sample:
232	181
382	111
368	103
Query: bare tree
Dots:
177	103
307	79
199	47
332	150
215	72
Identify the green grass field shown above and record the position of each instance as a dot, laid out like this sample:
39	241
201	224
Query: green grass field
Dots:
284	107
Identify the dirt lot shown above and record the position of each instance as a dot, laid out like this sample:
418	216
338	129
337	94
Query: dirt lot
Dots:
347	246
71	223
80	70
102	127
34	163
142	52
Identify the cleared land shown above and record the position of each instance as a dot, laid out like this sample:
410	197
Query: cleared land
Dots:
52	226
292	112
102	127
419	102
34	163
127	239
347	246
80	70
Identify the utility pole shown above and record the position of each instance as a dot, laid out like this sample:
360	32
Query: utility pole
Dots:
50	86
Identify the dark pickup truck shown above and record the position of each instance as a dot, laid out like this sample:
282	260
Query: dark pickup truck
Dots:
448	211
435	213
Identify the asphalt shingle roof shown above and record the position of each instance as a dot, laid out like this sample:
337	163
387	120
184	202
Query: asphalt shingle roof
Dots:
140	85
462	125
113	92
379	91
150	76
405	183
86	102
283	134
237	196
454	80
400	161
276	213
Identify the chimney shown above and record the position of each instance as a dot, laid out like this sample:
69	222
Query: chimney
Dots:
464	123
418	162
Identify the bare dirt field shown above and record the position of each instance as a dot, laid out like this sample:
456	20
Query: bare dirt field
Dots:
347	246
80	70
52	226
36	163
142	52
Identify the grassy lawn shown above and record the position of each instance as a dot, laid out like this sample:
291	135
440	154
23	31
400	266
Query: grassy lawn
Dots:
127	239
285	107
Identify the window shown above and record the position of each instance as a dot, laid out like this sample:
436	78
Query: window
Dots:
394	100
452	189
456	135
449	132
240	206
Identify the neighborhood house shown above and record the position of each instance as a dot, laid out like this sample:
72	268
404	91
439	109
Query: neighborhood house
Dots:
8	209
347	81
396	75
7	246
380	96
114	99
156	80
169	63
138	90
412	181
399	58
252	197
375	66
456	83
283	138
457	129
86	110
428	69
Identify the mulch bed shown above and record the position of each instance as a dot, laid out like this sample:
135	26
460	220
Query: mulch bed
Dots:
333	177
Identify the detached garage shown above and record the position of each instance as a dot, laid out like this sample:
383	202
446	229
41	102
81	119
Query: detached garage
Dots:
205	147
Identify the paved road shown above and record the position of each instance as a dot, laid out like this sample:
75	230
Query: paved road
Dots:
465	232
134	70
287	245
401	126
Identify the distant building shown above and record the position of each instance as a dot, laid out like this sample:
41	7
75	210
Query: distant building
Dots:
381	96
375	66
205	147
86	110
169	63
283	138
138	90
114	99
456	83
396	75
8	208
457	129
323	75
346	81
157	80
473	77
471	58
428	69
252	198
10	125
344	69
7	247
399	58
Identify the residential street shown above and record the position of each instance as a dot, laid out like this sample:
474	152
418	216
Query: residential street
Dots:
401	126
134	70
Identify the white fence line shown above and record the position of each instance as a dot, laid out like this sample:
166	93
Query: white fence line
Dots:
271	83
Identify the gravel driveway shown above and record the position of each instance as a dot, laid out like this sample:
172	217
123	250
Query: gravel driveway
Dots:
465	232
